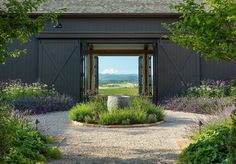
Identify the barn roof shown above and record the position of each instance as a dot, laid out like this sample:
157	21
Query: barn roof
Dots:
110	6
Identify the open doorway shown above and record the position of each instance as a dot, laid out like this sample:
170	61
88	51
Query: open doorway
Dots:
118	75
134	76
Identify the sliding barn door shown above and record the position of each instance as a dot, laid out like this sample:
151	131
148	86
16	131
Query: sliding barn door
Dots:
60	65
96	73
140	74
177	68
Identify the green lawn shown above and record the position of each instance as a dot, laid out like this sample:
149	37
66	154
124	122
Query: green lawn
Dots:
119	89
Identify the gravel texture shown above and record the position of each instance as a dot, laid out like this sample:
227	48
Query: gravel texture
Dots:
89	145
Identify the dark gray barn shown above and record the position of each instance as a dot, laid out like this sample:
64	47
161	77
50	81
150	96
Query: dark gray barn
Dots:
56	56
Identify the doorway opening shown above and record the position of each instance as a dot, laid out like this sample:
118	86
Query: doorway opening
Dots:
134	76
118	75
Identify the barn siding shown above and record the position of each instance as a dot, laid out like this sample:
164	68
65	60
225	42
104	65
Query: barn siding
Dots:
216	70
24	67
27	66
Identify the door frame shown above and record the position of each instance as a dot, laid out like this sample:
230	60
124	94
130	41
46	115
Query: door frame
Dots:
154	42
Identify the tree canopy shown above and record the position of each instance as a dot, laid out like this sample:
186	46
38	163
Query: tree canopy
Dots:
208	28
16	23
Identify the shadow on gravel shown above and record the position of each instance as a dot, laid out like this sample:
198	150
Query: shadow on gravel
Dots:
147	157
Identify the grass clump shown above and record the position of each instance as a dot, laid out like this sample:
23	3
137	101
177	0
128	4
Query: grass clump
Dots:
95	112
80	112
123	117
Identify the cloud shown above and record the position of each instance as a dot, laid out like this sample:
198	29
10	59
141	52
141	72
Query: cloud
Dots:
110	71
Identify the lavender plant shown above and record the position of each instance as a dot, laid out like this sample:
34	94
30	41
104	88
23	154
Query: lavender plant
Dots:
38	105
202	105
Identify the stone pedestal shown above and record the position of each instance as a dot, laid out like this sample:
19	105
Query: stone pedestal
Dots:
117	102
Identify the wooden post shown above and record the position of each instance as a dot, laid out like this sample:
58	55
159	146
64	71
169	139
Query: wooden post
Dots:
145	70
91	80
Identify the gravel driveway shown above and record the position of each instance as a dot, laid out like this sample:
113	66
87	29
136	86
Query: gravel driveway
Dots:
87	145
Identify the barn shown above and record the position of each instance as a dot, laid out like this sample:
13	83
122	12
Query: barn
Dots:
66	54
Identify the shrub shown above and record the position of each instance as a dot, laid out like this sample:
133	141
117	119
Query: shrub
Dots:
202	105
124	116
98	104
80	111
53	153
216	143
211	147
232	140
17	89
20	142
158	111
152	118
38	105
140	103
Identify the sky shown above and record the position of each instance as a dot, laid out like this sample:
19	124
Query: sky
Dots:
118	64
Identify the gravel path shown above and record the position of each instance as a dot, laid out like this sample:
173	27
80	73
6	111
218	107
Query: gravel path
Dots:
87	145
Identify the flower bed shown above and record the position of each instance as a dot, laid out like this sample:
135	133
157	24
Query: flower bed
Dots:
20	142
35	98
142	111
209	98
216	143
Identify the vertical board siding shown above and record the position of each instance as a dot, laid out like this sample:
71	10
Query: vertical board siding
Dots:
177	68
60	65
24	67
216	70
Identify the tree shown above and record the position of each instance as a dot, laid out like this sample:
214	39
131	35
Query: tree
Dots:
16	23
208	28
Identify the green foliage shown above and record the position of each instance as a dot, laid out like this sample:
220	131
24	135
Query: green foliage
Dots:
212	89
144	104
124	117
118	91
202	105
215	144
95	112
20	142
209	147
80	111
232	140
98	104
17	24
17	89
53	153
208	28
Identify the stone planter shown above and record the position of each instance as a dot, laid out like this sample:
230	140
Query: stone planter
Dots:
117	102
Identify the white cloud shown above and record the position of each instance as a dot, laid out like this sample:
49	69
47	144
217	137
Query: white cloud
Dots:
110	71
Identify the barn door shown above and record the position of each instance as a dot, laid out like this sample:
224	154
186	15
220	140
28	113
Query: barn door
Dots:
96	74
149	75
177	68
85	71
140	74
60	65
